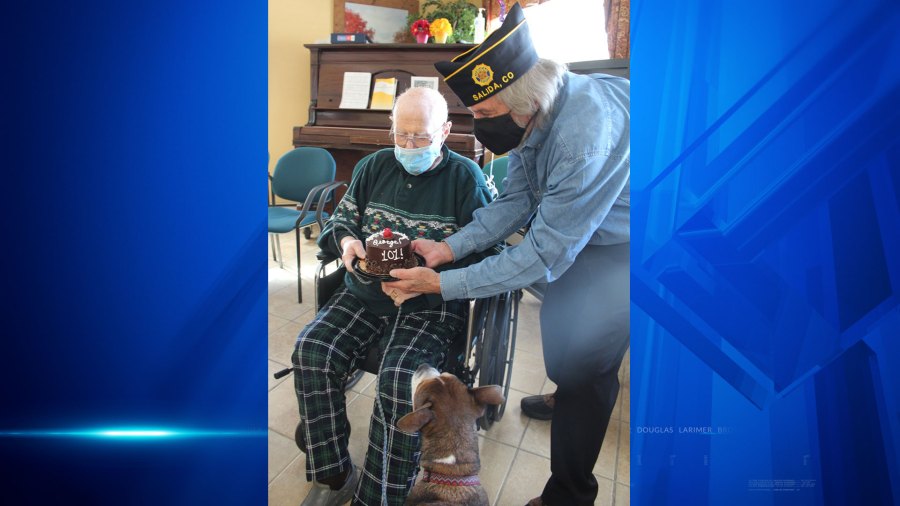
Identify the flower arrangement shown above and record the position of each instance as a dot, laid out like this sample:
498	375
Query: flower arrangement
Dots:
459	13
420	27
441	29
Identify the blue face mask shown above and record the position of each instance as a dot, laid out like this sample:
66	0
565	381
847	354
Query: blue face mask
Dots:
417	160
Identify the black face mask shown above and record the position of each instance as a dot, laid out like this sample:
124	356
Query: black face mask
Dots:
499	134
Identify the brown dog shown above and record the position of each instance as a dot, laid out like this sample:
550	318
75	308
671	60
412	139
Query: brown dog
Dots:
444	411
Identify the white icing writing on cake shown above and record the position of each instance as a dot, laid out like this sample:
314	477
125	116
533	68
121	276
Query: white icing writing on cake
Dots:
378	239
385	242
393	254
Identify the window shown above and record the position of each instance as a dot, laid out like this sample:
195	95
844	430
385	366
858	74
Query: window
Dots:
568	30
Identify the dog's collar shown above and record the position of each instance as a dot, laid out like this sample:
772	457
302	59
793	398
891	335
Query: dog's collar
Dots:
451	480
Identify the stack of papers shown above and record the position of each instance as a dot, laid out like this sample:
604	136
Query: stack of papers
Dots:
383	93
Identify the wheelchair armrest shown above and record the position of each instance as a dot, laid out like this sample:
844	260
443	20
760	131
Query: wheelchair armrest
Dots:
323	197
308	202
326	256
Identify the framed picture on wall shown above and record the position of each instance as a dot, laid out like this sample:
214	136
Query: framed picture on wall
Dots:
384	21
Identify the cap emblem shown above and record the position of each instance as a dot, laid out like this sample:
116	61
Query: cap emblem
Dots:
482	74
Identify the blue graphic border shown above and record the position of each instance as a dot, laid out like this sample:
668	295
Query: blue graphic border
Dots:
765	253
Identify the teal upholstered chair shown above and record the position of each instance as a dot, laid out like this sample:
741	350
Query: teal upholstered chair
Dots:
304	176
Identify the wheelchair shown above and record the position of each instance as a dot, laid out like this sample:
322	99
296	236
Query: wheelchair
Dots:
484	353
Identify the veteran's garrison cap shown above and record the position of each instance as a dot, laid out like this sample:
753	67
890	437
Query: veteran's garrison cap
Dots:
488	68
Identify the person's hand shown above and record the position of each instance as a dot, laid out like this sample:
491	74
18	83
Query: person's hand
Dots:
435	253
397	295
412	282
352	248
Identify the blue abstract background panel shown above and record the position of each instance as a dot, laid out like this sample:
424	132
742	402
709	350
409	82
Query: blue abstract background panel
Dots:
132	211
765	253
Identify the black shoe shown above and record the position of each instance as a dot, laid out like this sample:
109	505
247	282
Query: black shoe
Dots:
323	495
539	407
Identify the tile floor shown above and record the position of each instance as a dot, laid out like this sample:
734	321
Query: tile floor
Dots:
514	452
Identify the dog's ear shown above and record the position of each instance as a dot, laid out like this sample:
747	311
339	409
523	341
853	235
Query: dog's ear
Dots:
491	394
413	422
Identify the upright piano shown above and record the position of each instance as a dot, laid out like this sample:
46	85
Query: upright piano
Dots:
350	134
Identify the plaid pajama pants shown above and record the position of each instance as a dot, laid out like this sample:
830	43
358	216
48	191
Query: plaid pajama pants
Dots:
331	347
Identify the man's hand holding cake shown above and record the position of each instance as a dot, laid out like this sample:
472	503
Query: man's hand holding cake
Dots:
434	253
419	280
351	248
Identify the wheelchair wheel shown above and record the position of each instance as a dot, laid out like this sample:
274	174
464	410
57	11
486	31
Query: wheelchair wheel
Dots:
509	353
495	350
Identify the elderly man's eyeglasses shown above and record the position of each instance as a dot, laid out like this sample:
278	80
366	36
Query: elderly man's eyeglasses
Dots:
418	140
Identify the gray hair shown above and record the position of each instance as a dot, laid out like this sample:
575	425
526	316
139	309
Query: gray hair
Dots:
536	90
420	98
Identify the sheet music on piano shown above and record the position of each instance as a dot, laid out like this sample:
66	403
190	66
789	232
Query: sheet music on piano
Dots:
355	93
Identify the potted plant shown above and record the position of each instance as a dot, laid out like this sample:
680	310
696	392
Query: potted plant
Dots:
440	30
421	29
459	13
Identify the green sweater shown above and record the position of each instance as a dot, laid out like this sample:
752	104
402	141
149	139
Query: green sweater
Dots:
432	205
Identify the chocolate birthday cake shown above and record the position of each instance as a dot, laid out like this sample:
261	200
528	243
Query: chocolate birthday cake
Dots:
388	250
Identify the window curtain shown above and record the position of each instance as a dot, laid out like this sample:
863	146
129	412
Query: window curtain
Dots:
617	27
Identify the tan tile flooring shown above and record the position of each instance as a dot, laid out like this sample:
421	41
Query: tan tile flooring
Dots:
514	452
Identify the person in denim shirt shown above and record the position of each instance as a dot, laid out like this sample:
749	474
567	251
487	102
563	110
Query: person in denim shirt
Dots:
569	170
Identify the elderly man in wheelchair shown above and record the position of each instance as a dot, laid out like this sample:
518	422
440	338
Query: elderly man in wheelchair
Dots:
422	189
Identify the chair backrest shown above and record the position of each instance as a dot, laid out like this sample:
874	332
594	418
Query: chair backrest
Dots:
361	162
497	167
301	169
